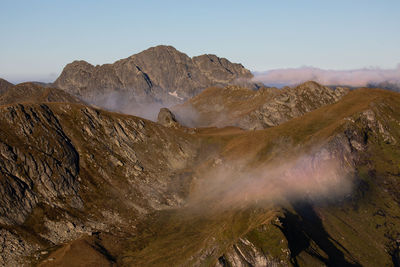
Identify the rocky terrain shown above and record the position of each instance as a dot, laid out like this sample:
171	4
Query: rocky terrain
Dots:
317	185
160	76
249	109
61	179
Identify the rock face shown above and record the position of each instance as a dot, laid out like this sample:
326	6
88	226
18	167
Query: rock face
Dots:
266	107
158	74
41	177
167	118
34	93
4	85
57	189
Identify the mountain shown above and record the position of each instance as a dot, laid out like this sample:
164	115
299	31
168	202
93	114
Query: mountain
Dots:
85	186
249	109
4	85
159	74
34	93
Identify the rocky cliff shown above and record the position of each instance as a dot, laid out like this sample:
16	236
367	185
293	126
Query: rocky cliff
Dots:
159	74
68	171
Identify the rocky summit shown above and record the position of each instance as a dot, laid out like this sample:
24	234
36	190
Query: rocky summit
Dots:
159	74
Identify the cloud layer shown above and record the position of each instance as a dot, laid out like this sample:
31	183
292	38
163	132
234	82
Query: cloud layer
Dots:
232	185
356	78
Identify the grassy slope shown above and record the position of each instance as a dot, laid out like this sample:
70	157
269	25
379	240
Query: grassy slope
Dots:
237	102
367	223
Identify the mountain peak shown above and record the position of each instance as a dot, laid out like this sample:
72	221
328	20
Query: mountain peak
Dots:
159	74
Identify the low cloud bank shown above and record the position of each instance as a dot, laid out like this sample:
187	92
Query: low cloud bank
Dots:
126	102
356	78
231	185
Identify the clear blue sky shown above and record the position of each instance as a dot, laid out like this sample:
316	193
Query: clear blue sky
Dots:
39	37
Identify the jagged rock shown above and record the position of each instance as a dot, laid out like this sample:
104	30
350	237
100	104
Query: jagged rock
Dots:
49	162
14	249
43	172
244	253
160	73
167	118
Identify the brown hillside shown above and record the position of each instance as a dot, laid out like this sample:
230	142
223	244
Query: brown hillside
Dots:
248	109
126	191
33	93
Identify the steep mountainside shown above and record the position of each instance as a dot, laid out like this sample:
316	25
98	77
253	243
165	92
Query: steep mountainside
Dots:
81	186
70	171
4	85
34	93
158	74
248	109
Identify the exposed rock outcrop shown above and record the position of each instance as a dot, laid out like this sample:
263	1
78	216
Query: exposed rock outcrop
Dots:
291	103
266	107
38	162
68	170
167	118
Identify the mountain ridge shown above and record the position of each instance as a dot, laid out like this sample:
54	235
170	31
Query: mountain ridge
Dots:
35	93
159	74
248	109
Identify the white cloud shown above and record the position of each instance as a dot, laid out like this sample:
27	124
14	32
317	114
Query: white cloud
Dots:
357	77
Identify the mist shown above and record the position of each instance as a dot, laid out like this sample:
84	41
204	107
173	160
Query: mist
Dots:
126	102
237	184
355	78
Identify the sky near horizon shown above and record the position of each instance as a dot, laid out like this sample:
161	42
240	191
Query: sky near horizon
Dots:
40	37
